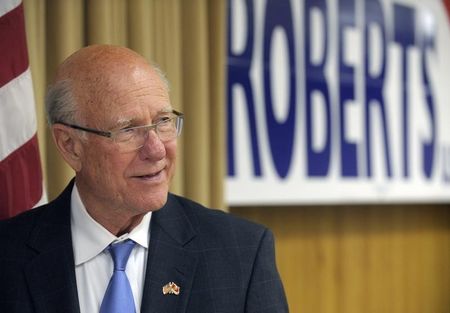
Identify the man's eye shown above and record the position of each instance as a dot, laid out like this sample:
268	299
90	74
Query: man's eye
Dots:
128	130
163	119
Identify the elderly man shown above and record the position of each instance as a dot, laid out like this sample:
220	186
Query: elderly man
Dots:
116	240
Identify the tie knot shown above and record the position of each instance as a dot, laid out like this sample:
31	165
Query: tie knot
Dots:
120	253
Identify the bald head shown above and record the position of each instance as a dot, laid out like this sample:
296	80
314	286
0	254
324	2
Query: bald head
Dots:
95	61
88	75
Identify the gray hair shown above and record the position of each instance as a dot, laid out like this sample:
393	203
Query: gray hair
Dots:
162	75
60	103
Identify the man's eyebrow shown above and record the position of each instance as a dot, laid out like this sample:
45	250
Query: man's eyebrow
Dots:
126	121
166	110
123	121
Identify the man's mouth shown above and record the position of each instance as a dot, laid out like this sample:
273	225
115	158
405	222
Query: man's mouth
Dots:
151	176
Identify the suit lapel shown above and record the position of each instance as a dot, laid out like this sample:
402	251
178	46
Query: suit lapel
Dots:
51	273
171	259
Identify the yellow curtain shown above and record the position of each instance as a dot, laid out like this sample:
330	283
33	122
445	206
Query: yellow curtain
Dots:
184	37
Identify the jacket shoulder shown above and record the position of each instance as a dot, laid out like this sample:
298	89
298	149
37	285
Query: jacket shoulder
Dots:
18	228
220	225
55	212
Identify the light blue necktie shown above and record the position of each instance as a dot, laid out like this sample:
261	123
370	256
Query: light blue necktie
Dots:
118	296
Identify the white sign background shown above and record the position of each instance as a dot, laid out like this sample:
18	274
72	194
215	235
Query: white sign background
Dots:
243	187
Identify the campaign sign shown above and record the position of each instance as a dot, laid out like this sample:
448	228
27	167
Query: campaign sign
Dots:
338	101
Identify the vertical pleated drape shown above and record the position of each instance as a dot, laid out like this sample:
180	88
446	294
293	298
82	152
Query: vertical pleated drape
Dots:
185	38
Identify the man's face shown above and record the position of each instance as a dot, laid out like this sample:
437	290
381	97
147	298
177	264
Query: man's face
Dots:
131	182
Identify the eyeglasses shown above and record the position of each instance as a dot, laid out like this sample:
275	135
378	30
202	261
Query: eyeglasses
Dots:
168	127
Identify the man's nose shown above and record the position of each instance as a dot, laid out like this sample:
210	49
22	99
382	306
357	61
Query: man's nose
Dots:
153	146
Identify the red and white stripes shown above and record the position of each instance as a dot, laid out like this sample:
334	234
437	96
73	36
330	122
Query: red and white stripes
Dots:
20	168
447	6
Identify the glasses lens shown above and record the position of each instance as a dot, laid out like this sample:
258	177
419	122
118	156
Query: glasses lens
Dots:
134	138
167	129
127	135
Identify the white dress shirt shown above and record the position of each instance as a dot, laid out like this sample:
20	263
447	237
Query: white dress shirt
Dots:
94	265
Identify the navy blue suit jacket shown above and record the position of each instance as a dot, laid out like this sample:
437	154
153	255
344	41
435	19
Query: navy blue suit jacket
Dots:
221	263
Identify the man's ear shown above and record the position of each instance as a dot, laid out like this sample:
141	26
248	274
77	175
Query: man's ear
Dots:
68	144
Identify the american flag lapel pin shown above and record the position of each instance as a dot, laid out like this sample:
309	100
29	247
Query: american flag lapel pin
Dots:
171	289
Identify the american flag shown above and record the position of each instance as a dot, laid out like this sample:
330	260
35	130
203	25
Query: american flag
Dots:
447	5
21	185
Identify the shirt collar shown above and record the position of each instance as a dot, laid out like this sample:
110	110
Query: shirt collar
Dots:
90	238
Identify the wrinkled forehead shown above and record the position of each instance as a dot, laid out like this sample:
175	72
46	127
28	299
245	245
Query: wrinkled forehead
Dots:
130	94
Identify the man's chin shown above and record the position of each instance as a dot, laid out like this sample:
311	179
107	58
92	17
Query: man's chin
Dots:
153	203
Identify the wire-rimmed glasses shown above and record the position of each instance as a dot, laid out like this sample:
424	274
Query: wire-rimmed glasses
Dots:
167	128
